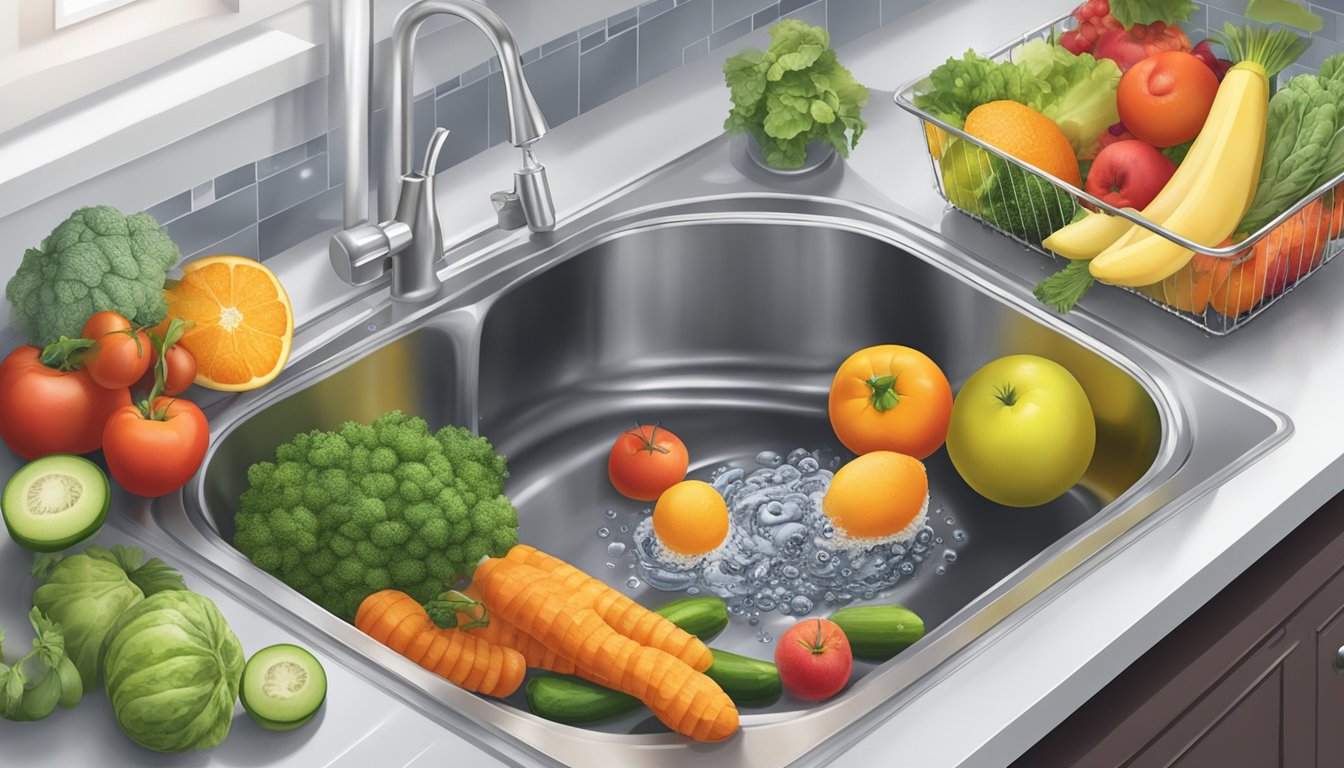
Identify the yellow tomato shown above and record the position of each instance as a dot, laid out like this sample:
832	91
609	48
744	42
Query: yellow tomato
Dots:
890	398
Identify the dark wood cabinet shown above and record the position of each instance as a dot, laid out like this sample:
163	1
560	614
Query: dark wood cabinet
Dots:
1248	681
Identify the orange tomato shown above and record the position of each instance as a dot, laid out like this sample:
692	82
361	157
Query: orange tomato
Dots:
1165	98
890	398
646	461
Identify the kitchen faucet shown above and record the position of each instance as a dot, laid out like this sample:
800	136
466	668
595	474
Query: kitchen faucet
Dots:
408	241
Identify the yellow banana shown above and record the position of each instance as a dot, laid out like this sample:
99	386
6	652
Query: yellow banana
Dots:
1219	177
1085	238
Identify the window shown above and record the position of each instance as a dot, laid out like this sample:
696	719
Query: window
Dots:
69	12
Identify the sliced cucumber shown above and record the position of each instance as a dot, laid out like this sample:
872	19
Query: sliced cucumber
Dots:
283	687
55	502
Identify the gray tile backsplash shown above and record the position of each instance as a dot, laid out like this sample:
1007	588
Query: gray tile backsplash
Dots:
277	202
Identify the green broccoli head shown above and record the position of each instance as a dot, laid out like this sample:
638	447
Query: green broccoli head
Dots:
340	515
95	260
1023	204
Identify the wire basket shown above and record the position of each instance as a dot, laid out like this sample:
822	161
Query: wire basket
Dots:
1219	290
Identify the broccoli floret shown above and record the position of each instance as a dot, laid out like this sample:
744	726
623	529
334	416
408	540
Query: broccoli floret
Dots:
340	515
95	260
1024	204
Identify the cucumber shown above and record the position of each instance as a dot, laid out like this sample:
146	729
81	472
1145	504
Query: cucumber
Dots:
573	701
704	617
283	687
55	502
879	631
748	682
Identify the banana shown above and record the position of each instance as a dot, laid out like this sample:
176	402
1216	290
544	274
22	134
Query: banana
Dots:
1085	238
1216	182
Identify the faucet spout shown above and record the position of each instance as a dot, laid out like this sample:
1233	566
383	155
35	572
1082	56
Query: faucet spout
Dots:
526	122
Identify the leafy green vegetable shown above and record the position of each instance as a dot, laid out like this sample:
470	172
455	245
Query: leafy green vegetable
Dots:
1284	12
341	515
794	93
173	668
95	260
86	593
1304	143
1065	288
1024	204
1132	12
25	700
1076	92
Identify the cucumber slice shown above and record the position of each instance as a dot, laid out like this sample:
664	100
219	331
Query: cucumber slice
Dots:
283	687
55	502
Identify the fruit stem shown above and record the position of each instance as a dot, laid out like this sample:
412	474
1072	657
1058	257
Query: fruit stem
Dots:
884	396
1007	394
647	441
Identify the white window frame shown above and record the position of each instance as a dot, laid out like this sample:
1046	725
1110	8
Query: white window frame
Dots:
67	12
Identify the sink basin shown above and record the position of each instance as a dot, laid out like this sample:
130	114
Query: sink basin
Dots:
704	300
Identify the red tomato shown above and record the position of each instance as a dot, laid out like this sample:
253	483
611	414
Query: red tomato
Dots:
181	371
120	354
156	456
646	461
814	659
1165	98
45	411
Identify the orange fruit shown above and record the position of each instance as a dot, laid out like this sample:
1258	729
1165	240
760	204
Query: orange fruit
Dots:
691	518
877	495
1027	135
242	322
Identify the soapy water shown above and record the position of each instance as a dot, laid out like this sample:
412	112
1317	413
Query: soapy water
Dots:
782	552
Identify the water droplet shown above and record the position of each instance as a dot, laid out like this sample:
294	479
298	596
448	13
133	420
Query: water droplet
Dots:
603	532
764	636
612	566
373	326
950	521
692	590
958	535
950	556
769	459
924	536
625	529
632	582
611	514
808	466
938	540
940	570
754	620
907	568
800	605
615	549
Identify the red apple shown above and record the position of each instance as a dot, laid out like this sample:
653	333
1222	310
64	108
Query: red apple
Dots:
1129	174
814	659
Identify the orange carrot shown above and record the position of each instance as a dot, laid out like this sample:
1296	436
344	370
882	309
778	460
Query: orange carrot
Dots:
500	632
685	700
396	620
623	614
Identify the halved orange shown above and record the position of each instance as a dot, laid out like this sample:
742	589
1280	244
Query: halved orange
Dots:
242	321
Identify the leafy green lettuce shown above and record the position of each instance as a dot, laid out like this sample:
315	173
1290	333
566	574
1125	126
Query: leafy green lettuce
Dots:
793	93
1076	92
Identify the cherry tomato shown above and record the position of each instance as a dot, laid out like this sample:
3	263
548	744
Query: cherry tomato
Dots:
45	411
181	371
155	456
1165	98
646	461
120	354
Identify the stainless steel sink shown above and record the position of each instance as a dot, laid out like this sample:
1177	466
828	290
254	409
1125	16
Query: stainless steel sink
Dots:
719	301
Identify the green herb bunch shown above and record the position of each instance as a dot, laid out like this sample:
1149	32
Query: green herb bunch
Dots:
793	93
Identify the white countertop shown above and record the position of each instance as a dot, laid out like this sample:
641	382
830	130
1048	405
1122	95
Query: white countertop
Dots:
993	701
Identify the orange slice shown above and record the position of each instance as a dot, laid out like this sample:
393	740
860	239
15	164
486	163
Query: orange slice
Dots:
242	322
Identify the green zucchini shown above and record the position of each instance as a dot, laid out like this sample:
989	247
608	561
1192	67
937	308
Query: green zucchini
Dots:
704	617
748	682
879	631
572	701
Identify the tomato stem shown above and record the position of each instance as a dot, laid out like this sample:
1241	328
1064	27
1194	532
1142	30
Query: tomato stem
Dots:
65	354
1007	394
647	441
817	647
170	337
884	396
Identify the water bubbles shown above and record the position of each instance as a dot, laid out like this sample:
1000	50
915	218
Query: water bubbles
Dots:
372	326
950	555
625	529
950	521
938	540
782	553
615	549
769	459
603	532
612	566
611	514
764	636
959	535
940	570
632	582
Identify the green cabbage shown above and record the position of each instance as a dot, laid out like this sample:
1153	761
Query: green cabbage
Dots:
172	670
85	595
1076	92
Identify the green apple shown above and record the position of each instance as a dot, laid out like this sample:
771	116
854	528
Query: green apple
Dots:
1022	431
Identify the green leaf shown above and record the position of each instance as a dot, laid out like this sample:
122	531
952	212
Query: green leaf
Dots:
49	642
151	577
44	563
745	79
1064	289
783	121
822	113
65	354
797	61
1284	12
1131	12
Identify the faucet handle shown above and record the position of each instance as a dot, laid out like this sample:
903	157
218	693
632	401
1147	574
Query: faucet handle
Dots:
436	141
509	209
